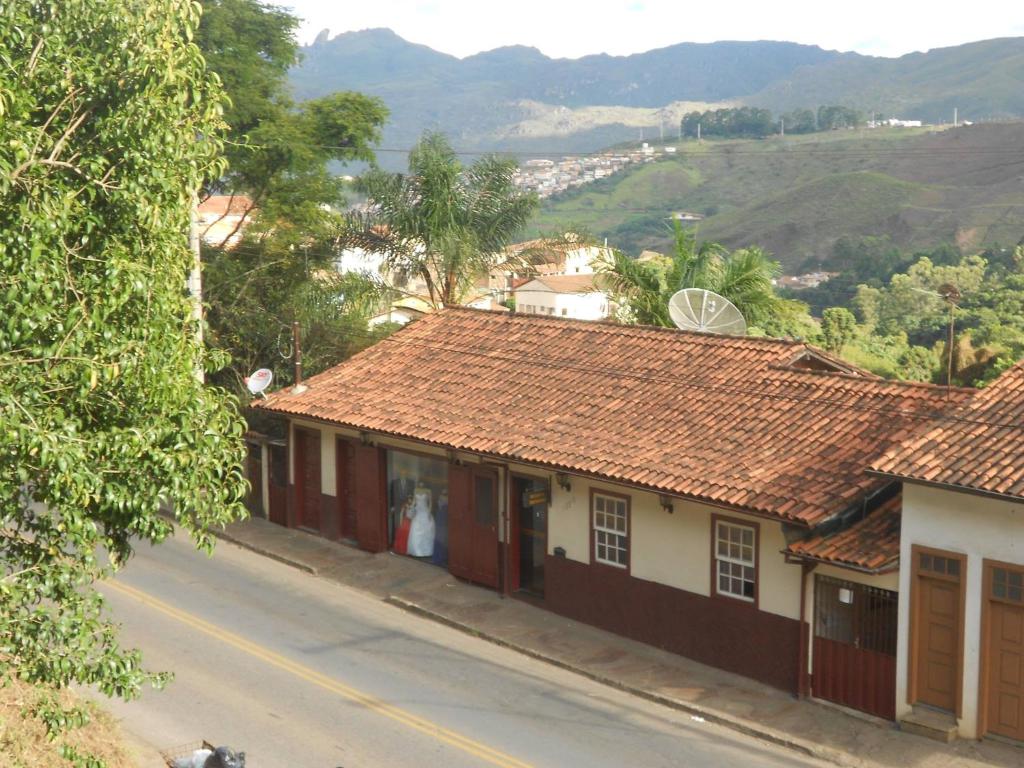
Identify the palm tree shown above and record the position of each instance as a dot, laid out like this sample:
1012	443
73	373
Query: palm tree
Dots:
744	277
443	223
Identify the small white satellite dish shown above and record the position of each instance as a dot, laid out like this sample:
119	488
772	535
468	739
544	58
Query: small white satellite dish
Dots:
259	380
696	309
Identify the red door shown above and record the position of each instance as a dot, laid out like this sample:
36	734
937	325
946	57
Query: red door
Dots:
368	497
307	479
473	525
346	509
278	512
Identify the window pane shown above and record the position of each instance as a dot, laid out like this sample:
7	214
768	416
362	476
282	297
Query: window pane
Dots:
1014	594
926	562
748	537
952	567
999	589
748	589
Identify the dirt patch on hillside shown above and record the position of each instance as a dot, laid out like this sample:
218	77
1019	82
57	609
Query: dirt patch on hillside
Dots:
23	741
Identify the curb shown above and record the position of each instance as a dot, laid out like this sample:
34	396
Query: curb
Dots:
715	716
232	539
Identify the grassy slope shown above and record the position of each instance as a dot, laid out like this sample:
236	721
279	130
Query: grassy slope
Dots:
797	195
23	742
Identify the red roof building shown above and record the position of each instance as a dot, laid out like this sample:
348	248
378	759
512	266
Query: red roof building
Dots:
692	491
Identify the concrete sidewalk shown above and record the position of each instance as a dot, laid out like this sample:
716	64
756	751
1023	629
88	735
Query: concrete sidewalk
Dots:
737	702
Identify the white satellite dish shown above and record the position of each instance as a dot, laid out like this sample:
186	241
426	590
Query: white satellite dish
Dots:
259	380
695	309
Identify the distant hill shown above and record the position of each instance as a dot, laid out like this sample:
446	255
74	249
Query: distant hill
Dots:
796	196
985	80
480	100
492	100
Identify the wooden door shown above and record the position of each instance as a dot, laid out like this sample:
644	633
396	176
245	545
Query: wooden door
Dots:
343	472
485	528
460	507
473	524
278	512
307	479
939	616
1005	651
368	497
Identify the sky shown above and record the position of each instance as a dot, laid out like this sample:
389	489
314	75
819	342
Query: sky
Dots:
573	28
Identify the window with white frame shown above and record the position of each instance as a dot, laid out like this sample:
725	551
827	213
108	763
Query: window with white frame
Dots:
611	526
736	560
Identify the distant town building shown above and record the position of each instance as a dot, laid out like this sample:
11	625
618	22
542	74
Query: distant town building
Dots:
573	296
222	219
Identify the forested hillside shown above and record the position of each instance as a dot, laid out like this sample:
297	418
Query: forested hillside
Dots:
797	196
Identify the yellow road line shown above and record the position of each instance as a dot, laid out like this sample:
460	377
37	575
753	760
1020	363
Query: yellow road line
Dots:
457	740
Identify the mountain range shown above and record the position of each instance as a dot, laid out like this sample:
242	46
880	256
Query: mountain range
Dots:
516	98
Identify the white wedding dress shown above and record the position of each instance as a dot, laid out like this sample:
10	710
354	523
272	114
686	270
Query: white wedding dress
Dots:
421	532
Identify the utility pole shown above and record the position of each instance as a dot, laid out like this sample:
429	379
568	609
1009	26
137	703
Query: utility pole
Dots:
299	387
956	117
782	126
195	280
698	131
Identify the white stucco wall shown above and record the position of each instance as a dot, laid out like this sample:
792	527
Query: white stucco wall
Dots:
978	527
592	305
672	549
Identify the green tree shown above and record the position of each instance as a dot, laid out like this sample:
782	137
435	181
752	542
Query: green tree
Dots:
744	277
838	328
280	156
441	222
108	124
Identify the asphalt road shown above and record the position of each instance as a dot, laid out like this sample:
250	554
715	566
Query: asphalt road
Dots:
301	673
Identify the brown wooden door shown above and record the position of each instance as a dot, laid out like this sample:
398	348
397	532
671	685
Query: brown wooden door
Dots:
1005	651
346	509
485	528
368	497
278	512
460	507
938	630
307	479
473	524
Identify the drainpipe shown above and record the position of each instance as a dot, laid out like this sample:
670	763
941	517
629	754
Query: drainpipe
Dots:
804	677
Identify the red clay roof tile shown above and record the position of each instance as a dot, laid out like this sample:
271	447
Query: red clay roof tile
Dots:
977	446
720	419
871	544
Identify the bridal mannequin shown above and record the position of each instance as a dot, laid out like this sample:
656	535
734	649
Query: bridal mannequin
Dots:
421	534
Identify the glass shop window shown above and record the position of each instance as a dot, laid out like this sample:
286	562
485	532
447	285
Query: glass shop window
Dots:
418	506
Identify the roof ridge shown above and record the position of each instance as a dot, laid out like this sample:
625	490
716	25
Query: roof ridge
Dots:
624	327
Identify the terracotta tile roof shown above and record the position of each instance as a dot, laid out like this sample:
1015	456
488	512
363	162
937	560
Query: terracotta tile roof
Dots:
715	418
871	544
978	446
561	284
224	205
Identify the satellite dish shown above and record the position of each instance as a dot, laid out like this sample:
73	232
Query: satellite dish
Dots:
259	380
695	309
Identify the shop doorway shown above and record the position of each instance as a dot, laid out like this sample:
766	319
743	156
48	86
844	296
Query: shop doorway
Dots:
473	524
529	510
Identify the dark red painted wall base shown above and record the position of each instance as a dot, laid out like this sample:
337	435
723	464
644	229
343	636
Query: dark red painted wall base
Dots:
717	631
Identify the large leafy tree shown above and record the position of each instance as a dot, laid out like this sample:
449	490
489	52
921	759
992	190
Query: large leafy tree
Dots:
443	223
280	156
642	289
108	124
